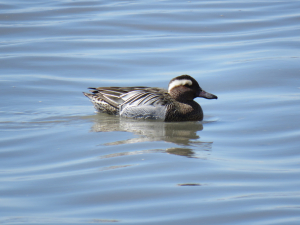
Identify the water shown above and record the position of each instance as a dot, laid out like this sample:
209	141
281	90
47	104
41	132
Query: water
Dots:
61	163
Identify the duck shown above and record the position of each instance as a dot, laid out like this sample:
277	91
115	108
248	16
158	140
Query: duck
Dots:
172	105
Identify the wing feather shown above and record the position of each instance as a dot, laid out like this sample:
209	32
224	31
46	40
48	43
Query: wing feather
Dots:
123	97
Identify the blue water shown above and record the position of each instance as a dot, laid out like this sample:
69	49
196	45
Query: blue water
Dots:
62	163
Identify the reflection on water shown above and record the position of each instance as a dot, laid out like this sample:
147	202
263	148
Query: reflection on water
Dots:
181	133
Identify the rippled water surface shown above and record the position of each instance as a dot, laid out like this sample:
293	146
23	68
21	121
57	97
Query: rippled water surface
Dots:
62	163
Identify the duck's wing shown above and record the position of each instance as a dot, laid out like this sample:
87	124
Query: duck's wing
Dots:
137	102
145	103
110	95
114	96
141	96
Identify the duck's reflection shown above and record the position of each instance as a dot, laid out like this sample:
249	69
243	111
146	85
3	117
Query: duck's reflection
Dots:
180	133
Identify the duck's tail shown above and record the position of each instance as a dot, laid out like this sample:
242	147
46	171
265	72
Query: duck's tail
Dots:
101	105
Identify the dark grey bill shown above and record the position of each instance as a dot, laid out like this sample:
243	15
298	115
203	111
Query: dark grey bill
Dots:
207	95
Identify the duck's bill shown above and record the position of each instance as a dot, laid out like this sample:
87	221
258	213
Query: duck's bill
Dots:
204	94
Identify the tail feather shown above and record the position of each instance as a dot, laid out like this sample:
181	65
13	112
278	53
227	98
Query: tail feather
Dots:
103	104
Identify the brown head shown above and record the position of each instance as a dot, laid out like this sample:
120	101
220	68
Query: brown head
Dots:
185	88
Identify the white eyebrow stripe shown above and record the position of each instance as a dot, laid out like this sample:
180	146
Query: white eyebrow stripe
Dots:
176	83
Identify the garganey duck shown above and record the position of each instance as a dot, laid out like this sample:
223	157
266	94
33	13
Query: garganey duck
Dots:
175	104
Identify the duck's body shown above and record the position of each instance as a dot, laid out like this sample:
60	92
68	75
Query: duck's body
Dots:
175	104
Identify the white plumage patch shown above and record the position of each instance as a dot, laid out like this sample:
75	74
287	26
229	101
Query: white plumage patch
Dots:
176	83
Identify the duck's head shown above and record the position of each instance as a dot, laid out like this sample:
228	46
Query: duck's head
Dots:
185	88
